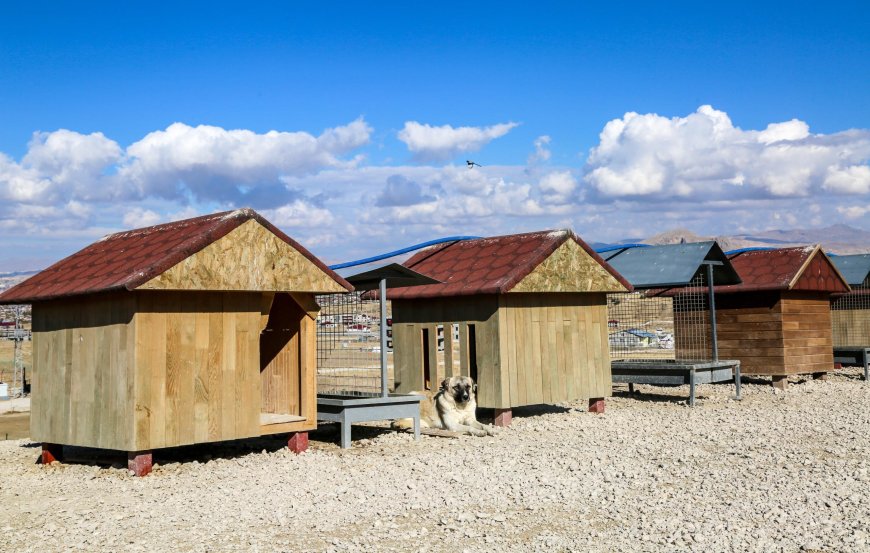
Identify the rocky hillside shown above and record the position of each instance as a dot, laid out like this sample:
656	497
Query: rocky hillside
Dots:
840	238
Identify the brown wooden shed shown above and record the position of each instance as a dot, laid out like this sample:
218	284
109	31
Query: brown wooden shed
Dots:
525	315
196	331
777	322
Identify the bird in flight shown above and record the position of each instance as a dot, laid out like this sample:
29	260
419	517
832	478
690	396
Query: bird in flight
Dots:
471	164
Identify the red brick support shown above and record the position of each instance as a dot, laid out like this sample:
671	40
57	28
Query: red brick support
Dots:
780	382
298	442
820	376
140	462
51	453
596	405
502	417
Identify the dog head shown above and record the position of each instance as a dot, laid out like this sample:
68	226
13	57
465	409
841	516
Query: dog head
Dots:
460	388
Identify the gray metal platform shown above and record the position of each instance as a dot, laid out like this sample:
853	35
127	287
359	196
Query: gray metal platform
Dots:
347	410
854	356
676	373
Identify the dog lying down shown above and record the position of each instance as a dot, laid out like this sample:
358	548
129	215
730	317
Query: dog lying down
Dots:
452	408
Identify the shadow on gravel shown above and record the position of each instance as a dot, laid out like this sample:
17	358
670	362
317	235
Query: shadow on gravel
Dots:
656	398
201	453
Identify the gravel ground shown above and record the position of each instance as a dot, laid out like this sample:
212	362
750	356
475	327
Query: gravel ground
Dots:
776	472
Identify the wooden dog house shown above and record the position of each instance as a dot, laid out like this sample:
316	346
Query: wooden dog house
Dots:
777	322
201	330
524	315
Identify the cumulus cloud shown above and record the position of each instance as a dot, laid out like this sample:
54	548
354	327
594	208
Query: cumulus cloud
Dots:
402	191
853	211
429	143
541	153
703	155
300	214
214	163
66	178
60	166
558	187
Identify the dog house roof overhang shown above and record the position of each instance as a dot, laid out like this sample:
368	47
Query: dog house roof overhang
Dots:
395	275
230	251
534	262
804	268
672	265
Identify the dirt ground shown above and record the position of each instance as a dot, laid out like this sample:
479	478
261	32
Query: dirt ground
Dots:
14	426
779	471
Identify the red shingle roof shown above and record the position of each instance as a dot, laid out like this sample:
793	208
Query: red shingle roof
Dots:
126	260
802	268
487	265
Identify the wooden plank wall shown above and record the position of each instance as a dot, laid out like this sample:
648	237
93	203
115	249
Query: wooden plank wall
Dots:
531	348
410	317
776	333
280	357
83	374
197	366
807	334
750	330
554	348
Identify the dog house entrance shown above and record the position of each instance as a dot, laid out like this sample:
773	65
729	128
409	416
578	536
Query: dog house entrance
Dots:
280	362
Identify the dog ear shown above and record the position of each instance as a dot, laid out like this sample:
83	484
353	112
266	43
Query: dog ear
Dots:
445	384
474	387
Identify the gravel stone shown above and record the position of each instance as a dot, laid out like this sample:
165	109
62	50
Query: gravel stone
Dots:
783	472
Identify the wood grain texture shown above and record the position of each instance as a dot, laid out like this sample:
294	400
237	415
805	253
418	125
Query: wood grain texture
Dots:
776	333
81	382
531	348
569	269
249	258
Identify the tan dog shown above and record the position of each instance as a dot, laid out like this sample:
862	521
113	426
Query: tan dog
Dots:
452	408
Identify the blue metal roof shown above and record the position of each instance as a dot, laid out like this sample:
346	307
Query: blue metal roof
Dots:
670	264
854	268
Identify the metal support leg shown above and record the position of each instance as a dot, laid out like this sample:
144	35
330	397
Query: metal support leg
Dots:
417	427
631	388
866	366
738	397
691	388
345	435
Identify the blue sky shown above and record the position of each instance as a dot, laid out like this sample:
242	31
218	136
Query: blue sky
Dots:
146	113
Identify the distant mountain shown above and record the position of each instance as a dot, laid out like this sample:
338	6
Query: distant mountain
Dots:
837	238
17	274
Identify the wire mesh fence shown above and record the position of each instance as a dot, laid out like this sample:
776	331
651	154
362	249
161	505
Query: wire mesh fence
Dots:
349	346
664	325
850	317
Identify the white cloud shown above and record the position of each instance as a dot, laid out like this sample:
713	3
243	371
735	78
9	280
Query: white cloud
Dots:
850	180
138	217
402	191
299	214
704	156
558	187
541	153
430	143
214	163
853	211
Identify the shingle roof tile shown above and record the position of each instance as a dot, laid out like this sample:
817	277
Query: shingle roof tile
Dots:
487	265
126	260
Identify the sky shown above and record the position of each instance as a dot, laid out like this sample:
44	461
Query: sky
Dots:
349	125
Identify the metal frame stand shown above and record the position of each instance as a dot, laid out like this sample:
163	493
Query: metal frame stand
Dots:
346	411
854	356
677	374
